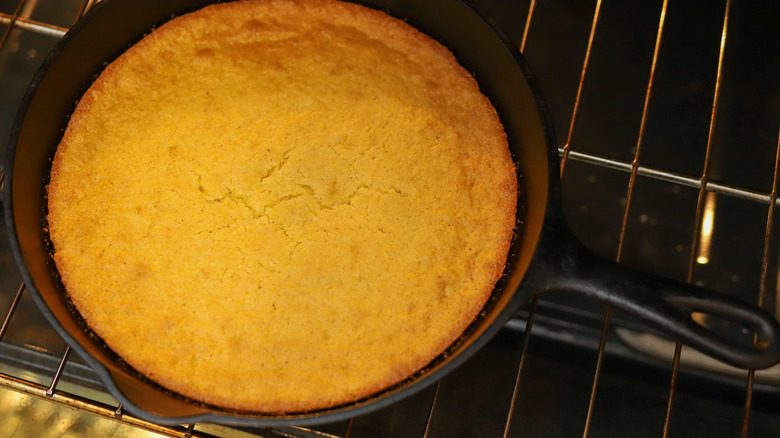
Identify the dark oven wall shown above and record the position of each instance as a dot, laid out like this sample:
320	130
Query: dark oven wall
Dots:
667	115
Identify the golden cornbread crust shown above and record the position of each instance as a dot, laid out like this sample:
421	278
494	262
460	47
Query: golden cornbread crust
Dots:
282	206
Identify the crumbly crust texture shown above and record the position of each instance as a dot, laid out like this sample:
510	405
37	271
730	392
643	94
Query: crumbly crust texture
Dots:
282	206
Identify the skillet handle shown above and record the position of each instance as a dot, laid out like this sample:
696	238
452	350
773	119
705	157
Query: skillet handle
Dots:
668	305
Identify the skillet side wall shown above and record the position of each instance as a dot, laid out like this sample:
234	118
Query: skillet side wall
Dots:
114	25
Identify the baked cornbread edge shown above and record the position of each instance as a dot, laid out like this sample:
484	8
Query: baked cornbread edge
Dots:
390	28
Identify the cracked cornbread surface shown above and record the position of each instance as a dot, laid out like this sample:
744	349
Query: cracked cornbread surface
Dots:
280	206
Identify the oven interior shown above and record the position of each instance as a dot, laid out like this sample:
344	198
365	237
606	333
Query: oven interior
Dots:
667	114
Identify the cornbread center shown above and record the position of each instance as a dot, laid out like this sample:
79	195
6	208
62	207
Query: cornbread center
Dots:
282	206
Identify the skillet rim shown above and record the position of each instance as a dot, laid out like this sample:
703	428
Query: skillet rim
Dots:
408	387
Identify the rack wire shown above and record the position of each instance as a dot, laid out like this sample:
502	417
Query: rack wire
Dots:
704	184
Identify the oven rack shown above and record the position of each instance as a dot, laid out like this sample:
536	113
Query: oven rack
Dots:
532	323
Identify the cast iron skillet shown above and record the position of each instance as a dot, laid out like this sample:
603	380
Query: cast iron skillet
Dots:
544	255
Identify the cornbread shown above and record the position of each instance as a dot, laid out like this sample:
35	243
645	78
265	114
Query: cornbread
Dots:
282	206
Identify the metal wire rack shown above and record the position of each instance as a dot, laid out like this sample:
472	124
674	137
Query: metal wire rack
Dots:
636	180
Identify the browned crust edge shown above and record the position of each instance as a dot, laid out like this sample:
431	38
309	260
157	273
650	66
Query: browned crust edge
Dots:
391	28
